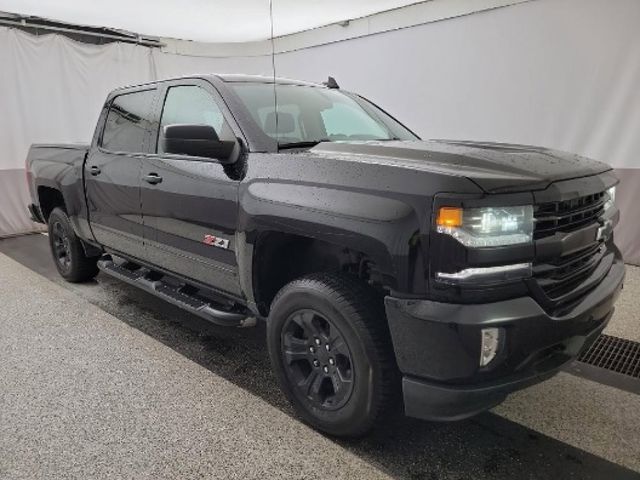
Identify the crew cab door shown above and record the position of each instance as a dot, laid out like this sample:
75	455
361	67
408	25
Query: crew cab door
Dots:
112	172
190	204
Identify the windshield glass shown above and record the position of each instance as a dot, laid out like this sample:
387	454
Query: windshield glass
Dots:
308	115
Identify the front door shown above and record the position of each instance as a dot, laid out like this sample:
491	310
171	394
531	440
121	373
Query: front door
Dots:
190	204
112	175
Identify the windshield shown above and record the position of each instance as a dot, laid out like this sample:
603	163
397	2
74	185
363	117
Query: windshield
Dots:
308	115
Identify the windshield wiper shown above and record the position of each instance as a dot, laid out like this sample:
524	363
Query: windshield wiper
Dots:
305	144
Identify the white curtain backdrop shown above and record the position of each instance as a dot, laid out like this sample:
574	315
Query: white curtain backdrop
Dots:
51	90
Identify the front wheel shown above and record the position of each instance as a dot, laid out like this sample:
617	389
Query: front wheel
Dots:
330	348
68	253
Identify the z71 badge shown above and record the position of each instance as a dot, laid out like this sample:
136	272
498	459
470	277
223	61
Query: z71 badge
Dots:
216	241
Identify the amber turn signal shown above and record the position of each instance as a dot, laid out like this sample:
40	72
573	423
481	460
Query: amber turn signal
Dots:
449	217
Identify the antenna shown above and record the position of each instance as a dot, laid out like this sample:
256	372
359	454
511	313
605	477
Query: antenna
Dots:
331	83
273	69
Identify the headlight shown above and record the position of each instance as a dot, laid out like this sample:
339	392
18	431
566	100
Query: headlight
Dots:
487	226
610	198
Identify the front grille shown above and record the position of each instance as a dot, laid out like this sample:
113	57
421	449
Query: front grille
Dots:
615	354
568	215
561	279
562	275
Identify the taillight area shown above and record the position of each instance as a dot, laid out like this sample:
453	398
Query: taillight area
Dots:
28	173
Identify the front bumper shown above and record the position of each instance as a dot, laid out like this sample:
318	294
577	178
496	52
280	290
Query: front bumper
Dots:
437	347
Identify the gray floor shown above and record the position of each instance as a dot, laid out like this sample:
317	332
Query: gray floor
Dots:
102	381
626	320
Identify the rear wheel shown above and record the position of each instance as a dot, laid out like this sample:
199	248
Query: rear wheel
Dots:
68	253
329	345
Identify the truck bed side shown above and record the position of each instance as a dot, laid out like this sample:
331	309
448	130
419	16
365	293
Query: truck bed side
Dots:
55	177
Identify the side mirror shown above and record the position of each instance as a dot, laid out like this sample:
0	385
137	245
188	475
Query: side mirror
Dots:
197	141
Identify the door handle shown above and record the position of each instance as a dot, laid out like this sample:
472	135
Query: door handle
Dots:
153	178
95	171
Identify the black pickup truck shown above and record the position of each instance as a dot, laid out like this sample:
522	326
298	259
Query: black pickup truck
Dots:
451	272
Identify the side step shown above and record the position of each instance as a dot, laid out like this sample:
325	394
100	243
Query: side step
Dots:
144	278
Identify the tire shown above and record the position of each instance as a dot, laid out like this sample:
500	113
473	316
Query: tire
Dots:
66	248
359	373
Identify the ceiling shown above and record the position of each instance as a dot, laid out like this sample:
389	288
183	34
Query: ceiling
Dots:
202	20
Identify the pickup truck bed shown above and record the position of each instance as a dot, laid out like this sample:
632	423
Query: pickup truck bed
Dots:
57	167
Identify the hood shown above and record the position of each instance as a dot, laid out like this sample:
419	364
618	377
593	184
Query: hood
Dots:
494	167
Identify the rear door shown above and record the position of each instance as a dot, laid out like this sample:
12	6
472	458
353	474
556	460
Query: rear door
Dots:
112	175
190	204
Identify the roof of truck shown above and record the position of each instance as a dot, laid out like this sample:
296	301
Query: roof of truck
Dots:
230	78
263	79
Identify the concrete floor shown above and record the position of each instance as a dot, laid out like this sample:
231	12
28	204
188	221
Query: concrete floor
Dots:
101	380
626	320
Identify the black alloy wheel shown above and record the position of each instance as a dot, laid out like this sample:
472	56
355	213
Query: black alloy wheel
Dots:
317	359
67	249
330	349
60	246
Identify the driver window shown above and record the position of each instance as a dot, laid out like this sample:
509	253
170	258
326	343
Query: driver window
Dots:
193	105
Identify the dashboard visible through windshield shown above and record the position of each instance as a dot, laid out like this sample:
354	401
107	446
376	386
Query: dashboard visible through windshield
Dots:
307	115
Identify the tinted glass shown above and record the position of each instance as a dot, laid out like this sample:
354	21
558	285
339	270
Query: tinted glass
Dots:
128	122
193	106
311	114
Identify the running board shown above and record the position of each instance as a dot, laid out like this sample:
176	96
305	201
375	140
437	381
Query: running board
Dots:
142	278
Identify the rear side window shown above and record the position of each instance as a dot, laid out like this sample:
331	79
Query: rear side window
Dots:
128	122
189	104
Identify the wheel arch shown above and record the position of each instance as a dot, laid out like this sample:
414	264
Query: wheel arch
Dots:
279	258
48	199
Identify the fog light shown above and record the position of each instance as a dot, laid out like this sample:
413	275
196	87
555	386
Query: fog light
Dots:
489	345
